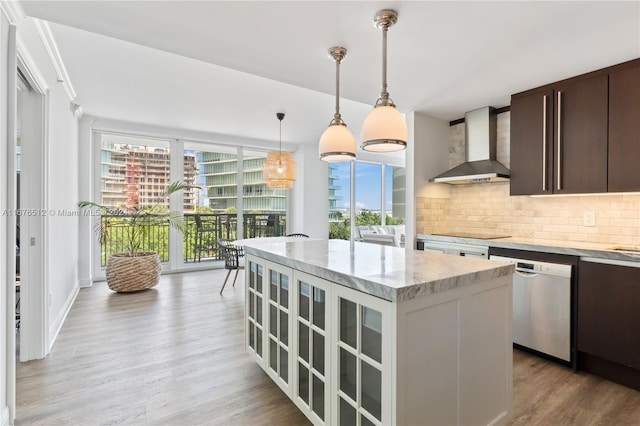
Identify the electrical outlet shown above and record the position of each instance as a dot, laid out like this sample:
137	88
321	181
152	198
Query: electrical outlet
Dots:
589	219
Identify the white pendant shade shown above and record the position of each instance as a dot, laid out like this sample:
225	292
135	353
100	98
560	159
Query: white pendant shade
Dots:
384	130
337	144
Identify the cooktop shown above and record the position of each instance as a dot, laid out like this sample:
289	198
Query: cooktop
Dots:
472	235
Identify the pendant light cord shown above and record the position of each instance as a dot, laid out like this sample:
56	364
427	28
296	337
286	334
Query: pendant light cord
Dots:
280	145
384	95
337	114
280	116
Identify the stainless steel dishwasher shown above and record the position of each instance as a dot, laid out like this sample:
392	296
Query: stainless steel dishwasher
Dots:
541	306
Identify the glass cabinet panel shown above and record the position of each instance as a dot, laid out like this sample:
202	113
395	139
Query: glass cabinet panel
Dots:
273	320
252	336
254	298
318	307
278	302
259	310
273	355
318	352
252	275
348	374
365	421
303	339
252	311
259	279
371	333
303	383
347	414
310	330
371	389
303	300
318	396
284	365
259	341
284	328
284	291
273	286
359	363
348	322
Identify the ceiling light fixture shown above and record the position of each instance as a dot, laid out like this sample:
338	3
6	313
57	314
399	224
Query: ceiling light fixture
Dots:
337	143
279	169
384	129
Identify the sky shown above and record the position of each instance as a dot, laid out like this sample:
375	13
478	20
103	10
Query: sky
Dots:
368	185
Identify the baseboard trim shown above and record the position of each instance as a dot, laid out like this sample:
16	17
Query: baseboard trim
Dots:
54	330
5	421
86	283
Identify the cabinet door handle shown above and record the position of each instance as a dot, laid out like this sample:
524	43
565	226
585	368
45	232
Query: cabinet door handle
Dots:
544	143
559	140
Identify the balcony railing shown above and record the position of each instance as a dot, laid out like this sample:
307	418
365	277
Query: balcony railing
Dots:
199	242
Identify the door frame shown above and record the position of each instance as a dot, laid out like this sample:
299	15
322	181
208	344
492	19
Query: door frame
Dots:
34	306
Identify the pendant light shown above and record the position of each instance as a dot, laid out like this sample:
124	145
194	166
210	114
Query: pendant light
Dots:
337	143
384	129
279	169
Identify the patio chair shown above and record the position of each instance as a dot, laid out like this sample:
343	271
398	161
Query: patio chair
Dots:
231	255
298	235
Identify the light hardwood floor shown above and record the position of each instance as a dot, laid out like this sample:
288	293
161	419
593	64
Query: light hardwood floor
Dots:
174	355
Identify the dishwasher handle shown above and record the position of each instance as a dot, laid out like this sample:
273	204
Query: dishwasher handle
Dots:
526	274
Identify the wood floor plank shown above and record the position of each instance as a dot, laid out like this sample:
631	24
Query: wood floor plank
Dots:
174	355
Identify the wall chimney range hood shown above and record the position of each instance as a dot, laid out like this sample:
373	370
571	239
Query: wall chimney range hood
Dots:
480	165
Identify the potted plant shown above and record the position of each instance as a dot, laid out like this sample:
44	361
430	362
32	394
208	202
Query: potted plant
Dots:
135	269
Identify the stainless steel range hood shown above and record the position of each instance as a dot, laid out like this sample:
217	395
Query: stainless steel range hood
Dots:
481	165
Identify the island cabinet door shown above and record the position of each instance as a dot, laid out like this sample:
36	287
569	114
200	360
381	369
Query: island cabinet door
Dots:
312	316
255	332
363	359
278	354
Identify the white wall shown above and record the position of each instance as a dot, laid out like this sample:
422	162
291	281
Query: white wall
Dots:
85	192
309	197
4	281
427	156
60	182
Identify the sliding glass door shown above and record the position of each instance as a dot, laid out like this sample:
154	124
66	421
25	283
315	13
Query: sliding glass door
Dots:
226	196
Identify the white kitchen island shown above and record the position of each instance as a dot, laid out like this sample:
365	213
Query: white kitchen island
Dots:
365	334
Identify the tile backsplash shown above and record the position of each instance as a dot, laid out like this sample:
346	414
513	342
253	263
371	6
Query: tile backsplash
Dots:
488	208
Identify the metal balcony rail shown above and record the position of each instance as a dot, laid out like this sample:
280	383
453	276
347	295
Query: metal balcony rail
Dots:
199	240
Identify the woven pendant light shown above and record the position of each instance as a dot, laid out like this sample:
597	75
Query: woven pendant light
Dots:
279	169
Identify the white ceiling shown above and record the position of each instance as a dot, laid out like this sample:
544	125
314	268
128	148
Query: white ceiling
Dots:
228	67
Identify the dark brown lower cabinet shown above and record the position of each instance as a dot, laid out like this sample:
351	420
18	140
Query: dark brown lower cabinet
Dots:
608	326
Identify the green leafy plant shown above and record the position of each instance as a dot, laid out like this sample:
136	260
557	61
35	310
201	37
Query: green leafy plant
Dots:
136	221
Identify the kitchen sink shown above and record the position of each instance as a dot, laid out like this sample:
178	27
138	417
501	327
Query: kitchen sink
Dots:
632	249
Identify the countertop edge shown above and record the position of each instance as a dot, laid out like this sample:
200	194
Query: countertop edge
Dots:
571	249
379	289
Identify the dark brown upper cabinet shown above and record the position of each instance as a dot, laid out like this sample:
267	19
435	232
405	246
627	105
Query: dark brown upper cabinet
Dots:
624	129
559	138
580	135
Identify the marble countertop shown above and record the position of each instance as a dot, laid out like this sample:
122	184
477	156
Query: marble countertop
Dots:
580	249
390	273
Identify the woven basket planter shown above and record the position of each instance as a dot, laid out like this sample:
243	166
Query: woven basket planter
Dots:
127	273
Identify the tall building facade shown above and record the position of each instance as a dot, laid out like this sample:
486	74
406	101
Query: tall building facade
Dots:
218	174
137	177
